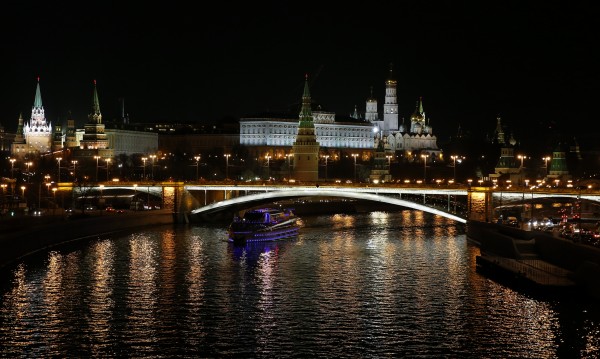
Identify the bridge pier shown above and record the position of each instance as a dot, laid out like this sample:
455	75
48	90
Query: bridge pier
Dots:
480	206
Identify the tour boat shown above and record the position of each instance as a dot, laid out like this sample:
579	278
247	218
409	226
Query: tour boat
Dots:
264	224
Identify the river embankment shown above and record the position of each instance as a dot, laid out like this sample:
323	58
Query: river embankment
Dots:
541	254
20	237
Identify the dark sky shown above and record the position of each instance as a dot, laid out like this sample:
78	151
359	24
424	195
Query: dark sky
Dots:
533	62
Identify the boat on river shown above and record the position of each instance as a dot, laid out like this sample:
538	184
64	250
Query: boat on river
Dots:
264	224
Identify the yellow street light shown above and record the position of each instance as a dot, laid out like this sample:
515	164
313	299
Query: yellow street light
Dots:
355	155
96	158
424	167
227	155
12	167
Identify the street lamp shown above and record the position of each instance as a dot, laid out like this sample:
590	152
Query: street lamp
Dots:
144	159
546	159
54	193
24	200
289	155
354	155
454	159
521	157
424	168
197	158
152	157
134	199
74	162
107	166
227	155
12	168
268	167
325	157
97	158
58	159
28	164
389	158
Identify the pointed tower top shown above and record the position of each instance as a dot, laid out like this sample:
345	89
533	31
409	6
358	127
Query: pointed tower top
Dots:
95	102
37	102
391	80
306	117
306	89
421	105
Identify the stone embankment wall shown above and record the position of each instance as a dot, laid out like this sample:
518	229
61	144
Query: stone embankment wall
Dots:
582	259
22	238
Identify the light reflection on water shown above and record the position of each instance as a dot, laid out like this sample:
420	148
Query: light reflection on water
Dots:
367	285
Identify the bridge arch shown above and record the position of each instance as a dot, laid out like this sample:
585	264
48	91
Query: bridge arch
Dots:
294	193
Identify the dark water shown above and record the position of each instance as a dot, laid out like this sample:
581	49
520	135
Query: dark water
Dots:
368	285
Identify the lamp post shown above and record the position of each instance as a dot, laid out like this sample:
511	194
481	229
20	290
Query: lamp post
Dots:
424	167
28	164
58	159
12	168
454	159
144	159
54	193
546	159
197	158
227	155
268	167
107	166
389	158
326	157
101	199
96	158
289	155
134	200
74	162
152	172
354	155
521	157
24	200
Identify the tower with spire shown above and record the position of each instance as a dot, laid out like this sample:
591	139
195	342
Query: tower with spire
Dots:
390	106
306	147
417	120
35	136
94	137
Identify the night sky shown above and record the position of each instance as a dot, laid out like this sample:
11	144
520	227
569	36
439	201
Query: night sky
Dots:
533	62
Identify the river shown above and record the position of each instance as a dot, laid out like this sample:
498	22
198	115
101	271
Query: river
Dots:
379	284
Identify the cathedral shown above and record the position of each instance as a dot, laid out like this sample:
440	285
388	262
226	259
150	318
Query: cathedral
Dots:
413	139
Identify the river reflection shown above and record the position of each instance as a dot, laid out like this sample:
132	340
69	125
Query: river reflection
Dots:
400	284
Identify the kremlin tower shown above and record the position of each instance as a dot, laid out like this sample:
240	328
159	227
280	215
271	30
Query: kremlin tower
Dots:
306	147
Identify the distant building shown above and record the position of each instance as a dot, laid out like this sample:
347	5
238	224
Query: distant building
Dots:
108	140
413	140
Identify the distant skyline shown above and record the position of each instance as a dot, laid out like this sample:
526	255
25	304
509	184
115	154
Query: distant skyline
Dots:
533	63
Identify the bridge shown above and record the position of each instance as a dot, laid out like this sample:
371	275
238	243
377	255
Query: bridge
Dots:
245	196
193	201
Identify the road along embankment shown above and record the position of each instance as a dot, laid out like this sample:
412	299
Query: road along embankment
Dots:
38	236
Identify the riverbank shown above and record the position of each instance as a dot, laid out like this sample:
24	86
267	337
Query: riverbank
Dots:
26	236
535	258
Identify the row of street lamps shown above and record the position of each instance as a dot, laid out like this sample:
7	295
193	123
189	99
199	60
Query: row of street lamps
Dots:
454	158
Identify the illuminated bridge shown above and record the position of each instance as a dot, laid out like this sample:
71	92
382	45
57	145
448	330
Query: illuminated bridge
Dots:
200	201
